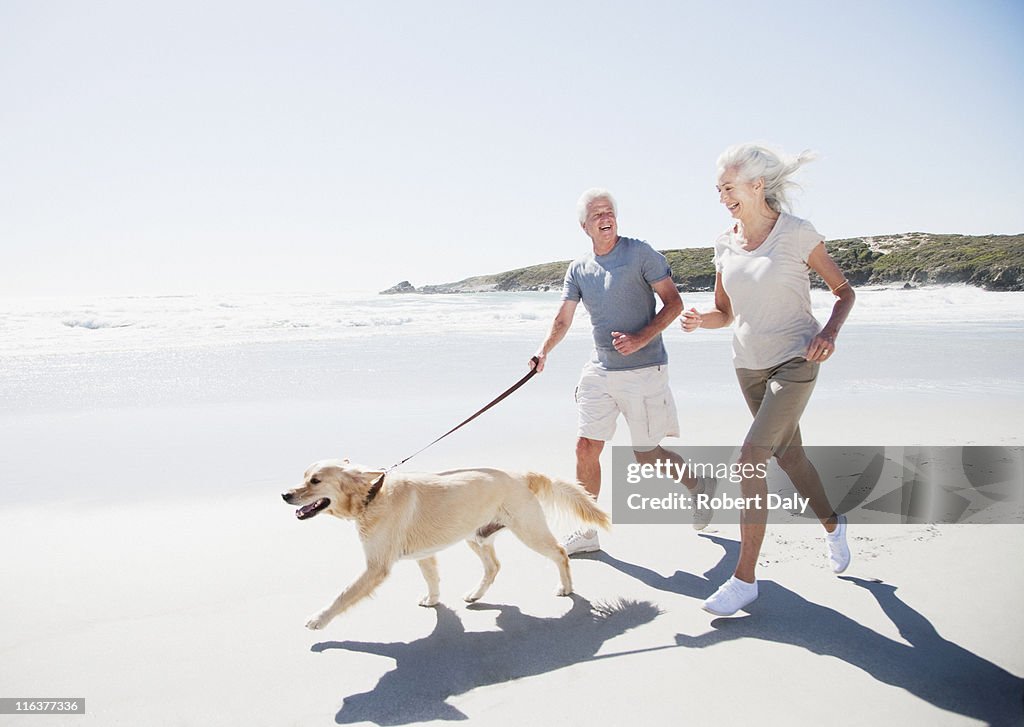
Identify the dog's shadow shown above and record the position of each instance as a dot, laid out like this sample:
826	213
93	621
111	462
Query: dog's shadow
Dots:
451	661
927	665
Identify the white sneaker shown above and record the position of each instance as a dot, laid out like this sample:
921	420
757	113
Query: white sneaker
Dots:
838	550
731	597
582	541
702	515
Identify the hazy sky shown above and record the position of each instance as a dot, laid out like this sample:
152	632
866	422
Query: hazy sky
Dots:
175	147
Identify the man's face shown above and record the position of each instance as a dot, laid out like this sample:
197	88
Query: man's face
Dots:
600	224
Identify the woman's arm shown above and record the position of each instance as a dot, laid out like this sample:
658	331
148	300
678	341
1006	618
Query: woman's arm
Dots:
825	342
718	317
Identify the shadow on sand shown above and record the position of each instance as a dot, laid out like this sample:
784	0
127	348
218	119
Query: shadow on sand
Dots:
452	661
928	666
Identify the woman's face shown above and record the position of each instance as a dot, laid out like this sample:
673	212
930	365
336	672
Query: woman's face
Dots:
739	196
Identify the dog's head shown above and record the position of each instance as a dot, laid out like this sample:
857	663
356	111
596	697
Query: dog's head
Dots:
334	486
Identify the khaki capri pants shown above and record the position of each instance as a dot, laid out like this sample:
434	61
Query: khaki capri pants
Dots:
777	397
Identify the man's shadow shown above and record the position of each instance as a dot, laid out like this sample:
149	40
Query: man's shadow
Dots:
931	667
452	661
681	582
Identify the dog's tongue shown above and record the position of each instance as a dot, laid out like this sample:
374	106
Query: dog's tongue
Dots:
307	511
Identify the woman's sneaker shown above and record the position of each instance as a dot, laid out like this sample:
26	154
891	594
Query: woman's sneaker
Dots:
731	597
838	550
581	541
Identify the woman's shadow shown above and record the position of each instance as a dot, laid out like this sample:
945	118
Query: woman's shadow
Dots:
451	661
928	666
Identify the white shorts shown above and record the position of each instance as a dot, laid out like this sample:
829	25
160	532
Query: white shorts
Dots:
642	396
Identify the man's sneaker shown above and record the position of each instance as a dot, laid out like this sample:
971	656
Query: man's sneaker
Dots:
582	541
838	550
731	597
702	515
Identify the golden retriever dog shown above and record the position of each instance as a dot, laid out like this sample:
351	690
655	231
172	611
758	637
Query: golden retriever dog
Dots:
412	515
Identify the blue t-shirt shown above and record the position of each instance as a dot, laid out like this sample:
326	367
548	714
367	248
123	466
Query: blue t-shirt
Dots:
616	291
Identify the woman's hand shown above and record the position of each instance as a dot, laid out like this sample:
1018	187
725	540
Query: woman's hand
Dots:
691	320
822	347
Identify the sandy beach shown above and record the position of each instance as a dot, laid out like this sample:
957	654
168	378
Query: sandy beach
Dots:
151	568
240	238
169	613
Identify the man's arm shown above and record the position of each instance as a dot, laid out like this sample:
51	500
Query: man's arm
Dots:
559	327
671	307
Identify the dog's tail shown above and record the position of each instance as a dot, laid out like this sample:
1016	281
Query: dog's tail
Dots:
567	498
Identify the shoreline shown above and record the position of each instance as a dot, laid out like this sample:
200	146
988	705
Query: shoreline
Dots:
362	293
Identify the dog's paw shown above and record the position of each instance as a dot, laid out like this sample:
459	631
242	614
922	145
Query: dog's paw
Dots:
428	601
473	596
318	621
563	591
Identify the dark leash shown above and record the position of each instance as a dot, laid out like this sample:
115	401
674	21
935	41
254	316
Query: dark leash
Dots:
375	487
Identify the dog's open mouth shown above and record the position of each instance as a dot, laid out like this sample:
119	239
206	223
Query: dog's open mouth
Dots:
308	511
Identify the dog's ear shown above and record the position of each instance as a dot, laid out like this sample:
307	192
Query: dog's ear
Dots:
368	487
373	481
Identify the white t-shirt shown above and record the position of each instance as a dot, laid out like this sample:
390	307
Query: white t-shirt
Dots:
770	292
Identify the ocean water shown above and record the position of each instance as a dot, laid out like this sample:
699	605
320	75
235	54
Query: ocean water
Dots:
60	354
56	326
200	392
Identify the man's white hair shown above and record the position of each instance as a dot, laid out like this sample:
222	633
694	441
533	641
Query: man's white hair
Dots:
594	193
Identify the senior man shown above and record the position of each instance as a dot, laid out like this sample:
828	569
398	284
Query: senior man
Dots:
628	372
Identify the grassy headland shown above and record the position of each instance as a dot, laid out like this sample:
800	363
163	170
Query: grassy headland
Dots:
993	262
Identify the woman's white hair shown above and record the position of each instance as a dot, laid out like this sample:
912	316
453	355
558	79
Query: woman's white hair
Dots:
753	161
589	196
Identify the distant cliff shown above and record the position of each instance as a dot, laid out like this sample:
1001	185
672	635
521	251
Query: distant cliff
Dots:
993	262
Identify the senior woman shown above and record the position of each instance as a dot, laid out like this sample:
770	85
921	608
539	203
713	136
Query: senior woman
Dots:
761	283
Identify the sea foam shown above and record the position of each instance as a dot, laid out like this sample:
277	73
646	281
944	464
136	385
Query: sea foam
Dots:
61	326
